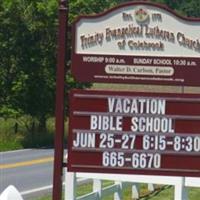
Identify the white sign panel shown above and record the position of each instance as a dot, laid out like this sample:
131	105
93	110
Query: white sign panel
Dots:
138	30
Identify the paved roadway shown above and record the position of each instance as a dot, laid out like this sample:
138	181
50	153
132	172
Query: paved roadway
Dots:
30	171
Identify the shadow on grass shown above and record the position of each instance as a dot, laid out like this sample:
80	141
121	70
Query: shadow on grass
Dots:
155	193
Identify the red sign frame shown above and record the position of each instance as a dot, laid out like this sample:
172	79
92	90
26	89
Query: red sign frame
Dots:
177	147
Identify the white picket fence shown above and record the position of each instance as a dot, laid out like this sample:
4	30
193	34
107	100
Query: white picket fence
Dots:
98	191
72	180
121	181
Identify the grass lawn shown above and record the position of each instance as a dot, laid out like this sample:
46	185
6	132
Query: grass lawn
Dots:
16	134
168	194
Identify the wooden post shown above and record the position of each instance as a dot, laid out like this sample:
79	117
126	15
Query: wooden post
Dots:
70	185
118	193
60	91
150	187
180	191
97	187
135	191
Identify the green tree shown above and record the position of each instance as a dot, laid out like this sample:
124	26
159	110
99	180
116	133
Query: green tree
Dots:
83	7
189	8
28	31
27	50
28	38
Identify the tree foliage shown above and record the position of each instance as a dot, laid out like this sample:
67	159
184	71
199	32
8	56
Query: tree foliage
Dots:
83	7
28	31
27	54
189	8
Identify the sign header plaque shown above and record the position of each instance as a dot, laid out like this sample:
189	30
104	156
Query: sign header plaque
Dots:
137	43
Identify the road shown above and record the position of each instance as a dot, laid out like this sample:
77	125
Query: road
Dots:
30	171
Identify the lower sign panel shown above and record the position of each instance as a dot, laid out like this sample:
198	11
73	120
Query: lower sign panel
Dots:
134	133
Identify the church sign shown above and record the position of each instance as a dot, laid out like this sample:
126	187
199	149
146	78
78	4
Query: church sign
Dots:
134	133
137	43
